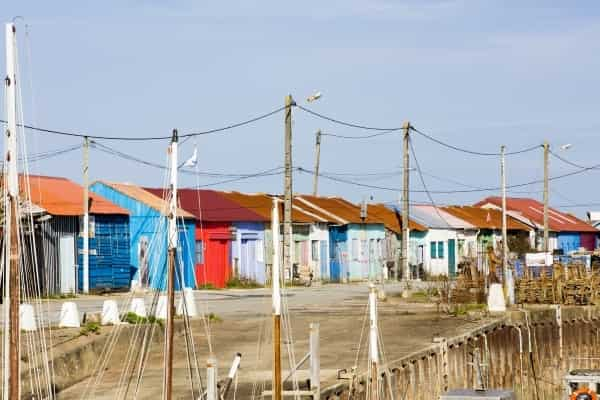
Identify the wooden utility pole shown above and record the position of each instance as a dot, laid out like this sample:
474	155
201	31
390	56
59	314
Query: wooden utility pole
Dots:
317	160
546	232
86	217
504	228
288	193
276	298
12	284
172	257
405	204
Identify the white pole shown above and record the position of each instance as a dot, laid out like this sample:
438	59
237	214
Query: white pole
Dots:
212	392
315	360
275	278
173	204
504	228
373	334
86	219
10	158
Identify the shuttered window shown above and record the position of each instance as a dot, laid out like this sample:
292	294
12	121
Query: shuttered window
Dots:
199	252
433	249
440	252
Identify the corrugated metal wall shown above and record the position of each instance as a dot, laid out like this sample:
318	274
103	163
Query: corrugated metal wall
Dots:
48	242
109	265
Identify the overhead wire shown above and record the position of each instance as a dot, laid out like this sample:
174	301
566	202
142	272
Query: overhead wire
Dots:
148	138
345	123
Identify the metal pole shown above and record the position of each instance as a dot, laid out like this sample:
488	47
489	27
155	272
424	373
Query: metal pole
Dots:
546	233
276	297
12	384
287	205
373	340
172	241
405	209
504	228
317	160
86	217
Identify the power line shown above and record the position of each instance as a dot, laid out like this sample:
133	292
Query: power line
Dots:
358	137
345	123
473	152
147	138
572	163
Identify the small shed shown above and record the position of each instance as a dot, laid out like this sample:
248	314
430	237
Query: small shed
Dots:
148	235
59	241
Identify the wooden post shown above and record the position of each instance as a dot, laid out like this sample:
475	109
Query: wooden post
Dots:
12	340
315	360
212	376
546	232
86	218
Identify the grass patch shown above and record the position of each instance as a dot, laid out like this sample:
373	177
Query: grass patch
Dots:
237	283
207	286
62	296
134	319
212	317
89	328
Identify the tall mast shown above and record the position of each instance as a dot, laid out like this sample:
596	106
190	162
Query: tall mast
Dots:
172	256
275	279
11	259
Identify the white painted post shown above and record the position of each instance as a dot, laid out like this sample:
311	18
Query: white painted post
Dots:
86	219
373	334
315	360
212	376
275	278
173	235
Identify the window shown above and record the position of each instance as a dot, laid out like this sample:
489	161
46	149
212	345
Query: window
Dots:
380	248
440	251
363	250
354	249
433	248
199	252
314	250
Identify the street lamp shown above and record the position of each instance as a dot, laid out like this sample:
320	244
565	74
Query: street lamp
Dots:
313	97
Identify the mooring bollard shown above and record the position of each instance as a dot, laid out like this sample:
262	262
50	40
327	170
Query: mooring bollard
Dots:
138	307
69	316
27	318
190	303
110	313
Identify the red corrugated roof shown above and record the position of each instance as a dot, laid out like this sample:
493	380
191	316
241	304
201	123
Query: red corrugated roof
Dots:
210	205
60	196
534	211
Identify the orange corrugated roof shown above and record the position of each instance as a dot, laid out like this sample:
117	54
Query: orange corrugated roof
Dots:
60	196
139	194
341	211
484	218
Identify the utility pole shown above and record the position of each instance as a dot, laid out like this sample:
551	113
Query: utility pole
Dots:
287	185
276	298
86	217
12	284
546	233
317	160
504	229
405	209
172	256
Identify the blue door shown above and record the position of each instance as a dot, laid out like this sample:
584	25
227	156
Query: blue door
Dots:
323	260
337	252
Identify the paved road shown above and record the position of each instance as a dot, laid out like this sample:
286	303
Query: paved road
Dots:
238	302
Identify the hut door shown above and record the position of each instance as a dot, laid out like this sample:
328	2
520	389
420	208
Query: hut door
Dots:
67	264
323	259
451	258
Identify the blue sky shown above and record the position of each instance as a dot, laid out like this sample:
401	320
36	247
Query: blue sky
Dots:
477	74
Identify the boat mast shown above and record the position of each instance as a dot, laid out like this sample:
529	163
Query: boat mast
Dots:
168	375
11	259
373	342
275	279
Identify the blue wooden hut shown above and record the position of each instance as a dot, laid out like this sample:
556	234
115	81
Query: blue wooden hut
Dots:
148	231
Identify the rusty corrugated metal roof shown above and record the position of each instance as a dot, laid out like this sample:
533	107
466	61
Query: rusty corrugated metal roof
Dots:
60	196
483	218
339	210
143	196
534	211
393	220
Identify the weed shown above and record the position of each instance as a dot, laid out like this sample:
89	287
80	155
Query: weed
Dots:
89	328
207	286
134	319
61	296
238	283
214	318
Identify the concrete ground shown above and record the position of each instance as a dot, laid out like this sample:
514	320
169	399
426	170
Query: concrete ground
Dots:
244	325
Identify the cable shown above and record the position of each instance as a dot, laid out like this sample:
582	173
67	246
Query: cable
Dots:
572	163
147	138
348	124
358	137
473	152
